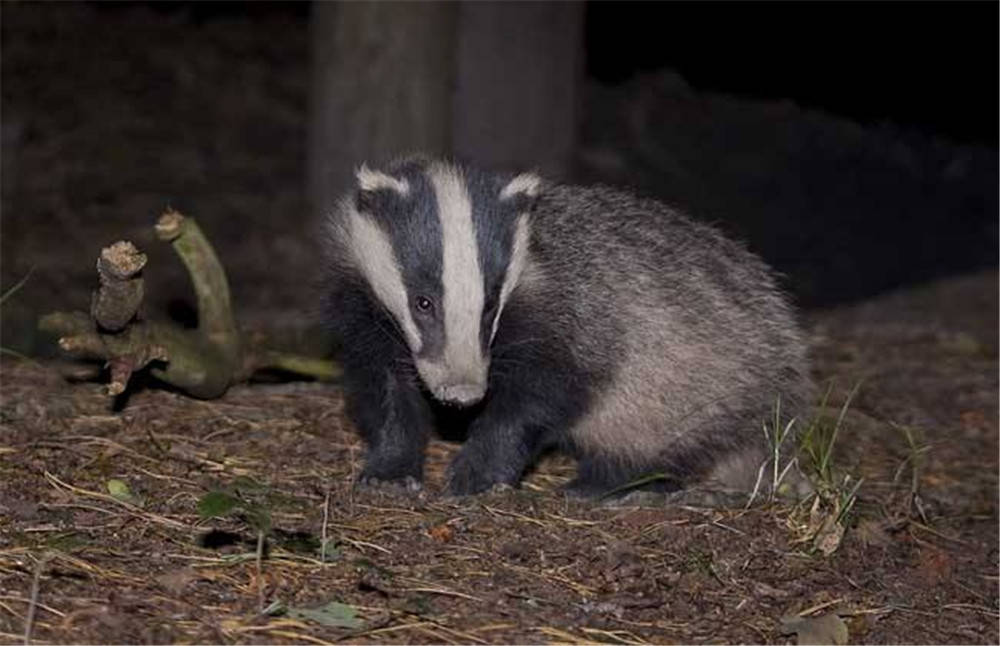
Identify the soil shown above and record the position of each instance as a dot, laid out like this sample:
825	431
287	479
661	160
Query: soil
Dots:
101	539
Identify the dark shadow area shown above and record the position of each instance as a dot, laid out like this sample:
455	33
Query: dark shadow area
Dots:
928	66
853	145
217	538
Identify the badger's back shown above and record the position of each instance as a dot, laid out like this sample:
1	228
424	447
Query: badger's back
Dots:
688	339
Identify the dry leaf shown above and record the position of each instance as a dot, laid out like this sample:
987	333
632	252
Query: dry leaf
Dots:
824	629
762	589
333	613
935	566
441	533
829	536
175	582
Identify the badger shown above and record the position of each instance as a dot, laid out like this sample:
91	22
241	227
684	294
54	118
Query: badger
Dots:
584	319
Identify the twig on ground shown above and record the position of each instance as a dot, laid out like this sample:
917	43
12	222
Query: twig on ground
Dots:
29	620
260	578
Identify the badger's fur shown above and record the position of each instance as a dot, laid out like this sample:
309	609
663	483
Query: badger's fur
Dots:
609	326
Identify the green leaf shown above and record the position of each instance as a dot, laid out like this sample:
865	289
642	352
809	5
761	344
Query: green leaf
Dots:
331	614
217	503
119	491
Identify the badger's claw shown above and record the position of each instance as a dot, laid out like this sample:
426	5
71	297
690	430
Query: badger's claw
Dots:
406	484
470	474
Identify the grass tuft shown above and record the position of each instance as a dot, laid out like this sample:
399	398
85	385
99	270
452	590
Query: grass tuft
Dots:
775	436
819	439
822	517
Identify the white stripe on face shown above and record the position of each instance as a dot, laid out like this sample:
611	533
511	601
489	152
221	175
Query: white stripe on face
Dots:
525	183
462	279
518	257
373	180
374	256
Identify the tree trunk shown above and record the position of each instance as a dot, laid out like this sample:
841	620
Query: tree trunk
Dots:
493	83
519	66
382	86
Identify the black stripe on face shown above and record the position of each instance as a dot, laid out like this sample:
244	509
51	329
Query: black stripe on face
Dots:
495	221
413	227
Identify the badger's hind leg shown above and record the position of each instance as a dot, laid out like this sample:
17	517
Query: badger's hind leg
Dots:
709	468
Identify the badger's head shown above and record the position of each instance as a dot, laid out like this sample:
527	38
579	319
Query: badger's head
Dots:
441	248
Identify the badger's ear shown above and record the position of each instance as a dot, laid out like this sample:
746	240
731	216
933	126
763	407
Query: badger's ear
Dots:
523	190
370	183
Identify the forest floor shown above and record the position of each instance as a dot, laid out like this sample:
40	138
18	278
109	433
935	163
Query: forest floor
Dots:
101	539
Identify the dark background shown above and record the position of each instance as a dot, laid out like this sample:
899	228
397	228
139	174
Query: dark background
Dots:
930	66
853	145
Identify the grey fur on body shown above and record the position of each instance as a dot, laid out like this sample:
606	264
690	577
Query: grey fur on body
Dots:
631	336
700	341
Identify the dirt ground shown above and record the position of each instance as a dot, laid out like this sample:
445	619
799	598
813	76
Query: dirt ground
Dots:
101	539
917	564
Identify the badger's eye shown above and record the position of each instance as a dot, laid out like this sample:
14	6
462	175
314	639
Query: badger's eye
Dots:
424	304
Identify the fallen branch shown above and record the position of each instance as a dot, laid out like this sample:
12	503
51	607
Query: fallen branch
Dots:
203	362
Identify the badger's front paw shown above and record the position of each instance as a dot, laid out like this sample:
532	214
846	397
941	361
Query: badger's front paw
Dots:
390	475
473	472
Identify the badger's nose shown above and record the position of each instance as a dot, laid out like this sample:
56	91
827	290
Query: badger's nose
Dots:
461	394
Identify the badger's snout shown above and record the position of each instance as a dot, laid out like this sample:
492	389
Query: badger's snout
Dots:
456	383
460	394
